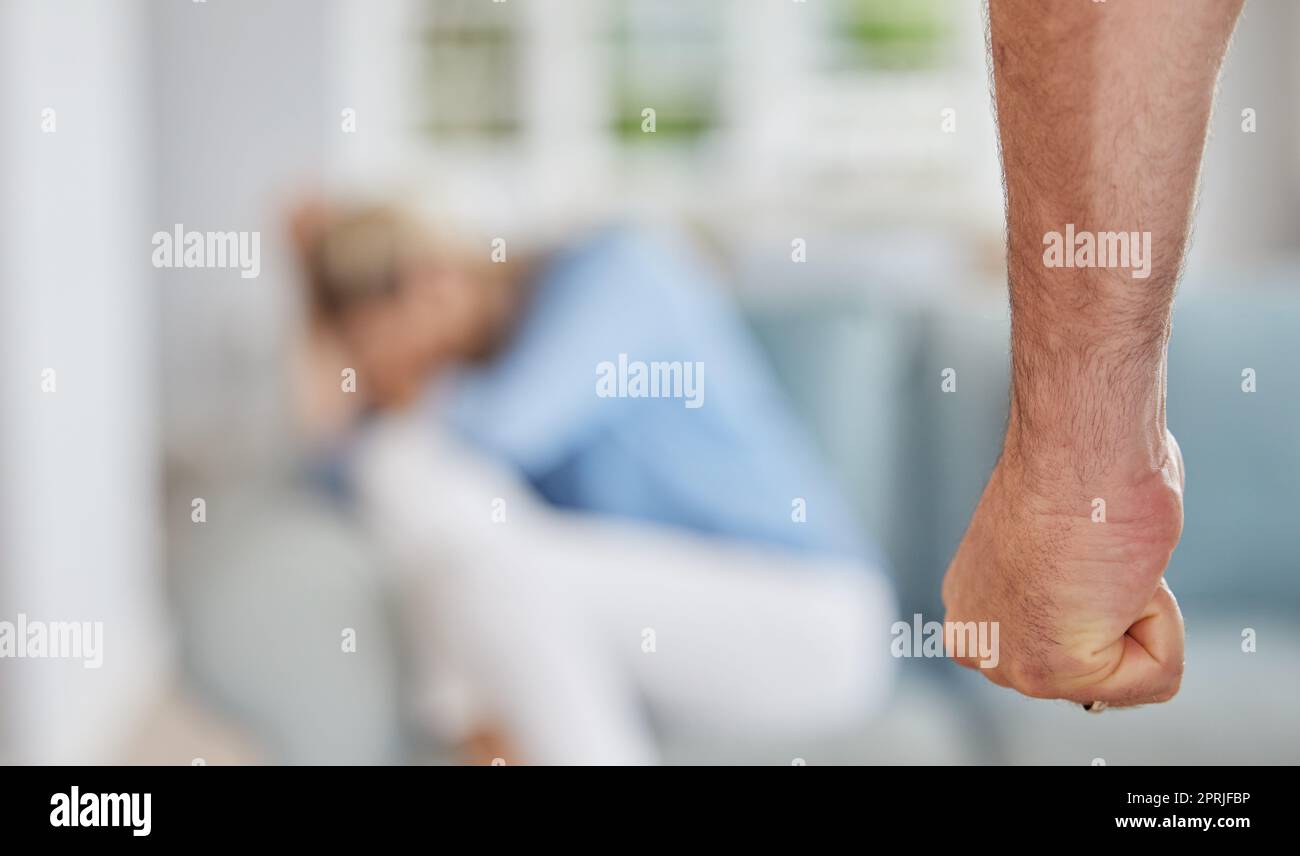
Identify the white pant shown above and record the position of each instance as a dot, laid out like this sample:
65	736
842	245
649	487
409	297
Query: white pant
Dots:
565	628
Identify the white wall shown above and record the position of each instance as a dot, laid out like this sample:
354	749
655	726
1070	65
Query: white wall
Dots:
241	121
78	468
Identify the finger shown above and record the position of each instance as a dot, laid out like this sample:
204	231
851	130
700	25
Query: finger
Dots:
1150	667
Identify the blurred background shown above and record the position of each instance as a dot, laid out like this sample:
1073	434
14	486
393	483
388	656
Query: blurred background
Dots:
862	127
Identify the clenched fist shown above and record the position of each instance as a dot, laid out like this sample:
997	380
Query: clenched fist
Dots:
1102	113
1077	586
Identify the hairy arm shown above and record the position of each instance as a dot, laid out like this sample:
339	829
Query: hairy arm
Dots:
1102	112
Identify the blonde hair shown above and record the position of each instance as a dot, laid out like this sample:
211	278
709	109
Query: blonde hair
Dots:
360	253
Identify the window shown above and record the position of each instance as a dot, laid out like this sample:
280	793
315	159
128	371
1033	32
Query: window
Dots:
470	70
665	55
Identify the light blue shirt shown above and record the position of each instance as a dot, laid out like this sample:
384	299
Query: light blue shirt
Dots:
735	465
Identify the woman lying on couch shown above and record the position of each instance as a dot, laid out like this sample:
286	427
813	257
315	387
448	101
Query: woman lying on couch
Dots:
590	536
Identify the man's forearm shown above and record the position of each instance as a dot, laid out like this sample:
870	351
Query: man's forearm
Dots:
1102	112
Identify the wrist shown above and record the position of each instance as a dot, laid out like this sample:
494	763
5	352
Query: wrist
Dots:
1094	417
